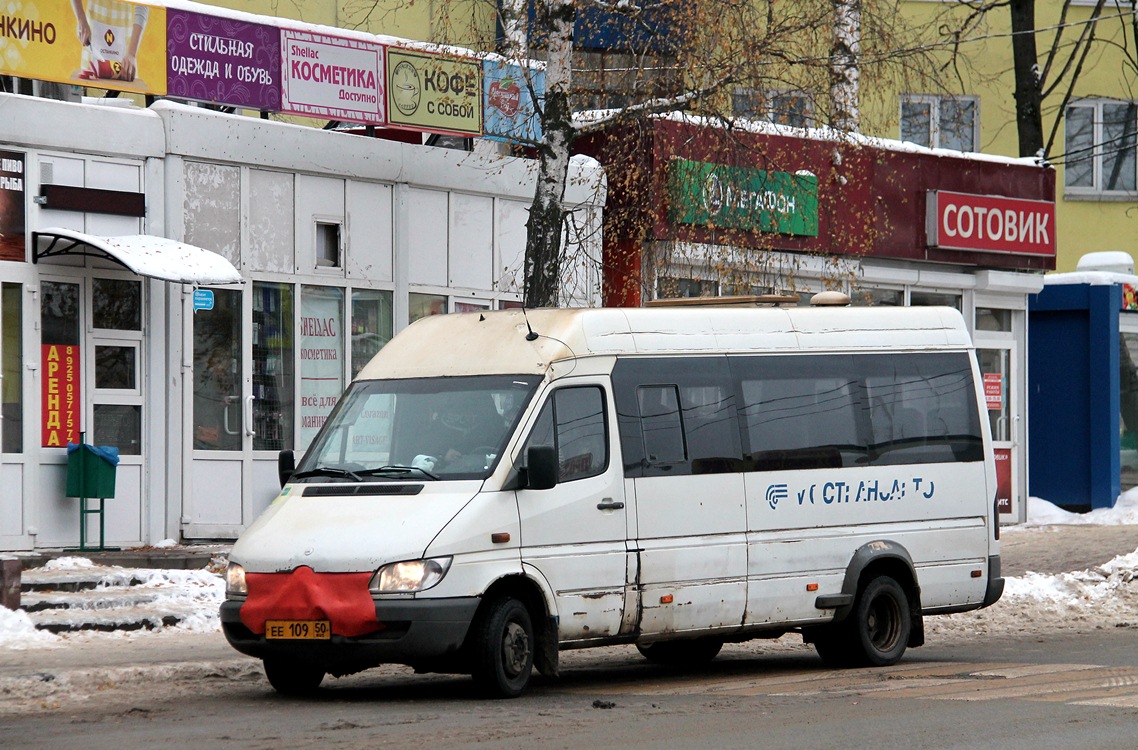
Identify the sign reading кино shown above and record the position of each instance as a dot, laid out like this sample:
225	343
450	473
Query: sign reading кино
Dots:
714	195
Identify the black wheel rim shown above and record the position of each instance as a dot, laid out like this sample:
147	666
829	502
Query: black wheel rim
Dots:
883	623
515	649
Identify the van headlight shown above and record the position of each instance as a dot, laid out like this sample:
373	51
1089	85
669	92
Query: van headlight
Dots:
235	580
409	576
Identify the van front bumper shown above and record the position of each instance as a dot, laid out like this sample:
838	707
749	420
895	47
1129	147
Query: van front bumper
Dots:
416	632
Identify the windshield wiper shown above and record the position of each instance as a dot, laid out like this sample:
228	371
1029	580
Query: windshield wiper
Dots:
398	470
328	471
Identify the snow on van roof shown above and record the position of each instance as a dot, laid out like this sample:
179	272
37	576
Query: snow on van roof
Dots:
499	342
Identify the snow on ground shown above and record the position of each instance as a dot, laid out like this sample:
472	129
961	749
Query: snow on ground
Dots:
1104	596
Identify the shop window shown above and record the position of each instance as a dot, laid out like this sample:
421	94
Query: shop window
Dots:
993	319
118	425
273	366
1101	147
322	352
1128	405
12	367
62	363
672	287
423	305
372	325
940	121
878	298
327	245
116	367
919	298
116	304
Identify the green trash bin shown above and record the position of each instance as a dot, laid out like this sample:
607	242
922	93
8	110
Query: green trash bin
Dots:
91	476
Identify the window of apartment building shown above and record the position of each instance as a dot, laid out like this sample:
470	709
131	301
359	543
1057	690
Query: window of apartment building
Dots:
940	121
1101	139
612	80
793	108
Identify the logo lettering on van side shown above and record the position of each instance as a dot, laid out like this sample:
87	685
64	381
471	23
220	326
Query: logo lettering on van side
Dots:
873	491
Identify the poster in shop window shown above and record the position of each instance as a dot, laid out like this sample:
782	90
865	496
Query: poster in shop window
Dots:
11	205
60	395
321	358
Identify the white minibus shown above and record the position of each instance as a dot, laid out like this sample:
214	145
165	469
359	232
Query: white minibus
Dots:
496	487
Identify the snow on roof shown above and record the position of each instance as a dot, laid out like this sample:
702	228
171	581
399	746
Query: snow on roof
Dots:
763	127
157	257
1091	278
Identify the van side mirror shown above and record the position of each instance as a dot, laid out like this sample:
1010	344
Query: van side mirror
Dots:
286	465
541	467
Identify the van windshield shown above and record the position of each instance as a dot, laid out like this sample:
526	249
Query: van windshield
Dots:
421	429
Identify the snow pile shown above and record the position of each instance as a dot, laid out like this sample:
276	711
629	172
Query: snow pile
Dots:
17	630
1124	513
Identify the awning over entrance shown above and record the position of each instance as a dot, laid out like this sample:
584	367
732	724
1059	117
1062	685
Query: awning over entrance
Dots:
144	254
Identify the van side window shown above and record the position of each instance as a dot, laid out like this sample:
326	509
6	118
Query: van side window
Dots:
660	424
573	421
829	411
676	416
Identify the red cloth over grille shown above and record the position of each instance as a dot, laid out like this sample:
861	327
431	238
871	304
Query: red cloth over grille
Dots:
303	594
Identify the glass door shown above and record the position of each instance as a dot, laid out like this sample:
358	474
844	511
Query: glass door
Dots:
999	352
219	420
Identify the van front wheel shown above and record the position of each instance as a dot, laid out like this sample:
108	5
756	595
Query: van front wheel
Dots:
504	646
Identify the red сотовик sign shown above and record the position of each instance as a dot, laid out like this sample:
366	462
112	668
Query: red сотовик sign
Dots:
987	223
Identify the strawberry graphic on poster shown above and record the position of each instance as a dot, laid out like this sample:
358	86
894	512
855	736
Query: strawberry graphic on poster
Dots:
505	96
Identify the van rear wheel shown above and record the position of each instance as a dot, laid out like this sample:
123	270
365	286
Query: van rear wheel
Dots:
503	649
682	653
875	634
292	678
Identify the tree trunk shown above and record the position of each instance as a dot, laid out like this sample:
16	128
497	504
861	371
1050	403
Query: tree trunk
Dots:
547	217
1029	89
844	70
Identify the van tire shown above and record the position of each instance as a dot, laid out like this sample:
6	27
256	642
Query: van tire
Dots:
875	634
291	677
503	649
681	653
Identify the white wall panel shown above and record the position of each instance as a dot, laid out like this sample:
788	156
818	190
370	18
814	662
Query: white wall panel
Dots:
511	233
317	199
429	238
471	257
271	231
368	241
212	208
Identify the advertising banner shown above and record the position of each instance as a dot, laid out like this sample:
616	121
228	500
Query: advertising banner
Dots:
108	44
989	223
715	195
12	218
223	61
332	78
321	357
60	395
509	110
433	92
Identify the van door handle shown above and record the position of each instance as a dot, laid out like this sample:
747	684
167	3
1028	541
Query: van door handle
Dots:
608	504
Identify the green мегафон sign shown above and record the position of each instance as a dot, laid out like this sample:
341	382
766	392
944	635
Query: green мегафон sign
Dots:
742	198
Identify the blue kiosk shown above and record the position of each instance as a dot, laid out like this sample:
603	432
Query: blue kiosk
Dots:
1083	384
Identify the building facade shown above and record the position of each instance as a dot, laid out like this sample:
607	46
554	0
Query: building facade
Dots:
339	241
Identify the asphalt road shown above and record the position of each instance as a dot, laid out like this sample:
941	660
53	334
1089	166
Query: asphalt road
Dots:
1036	690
